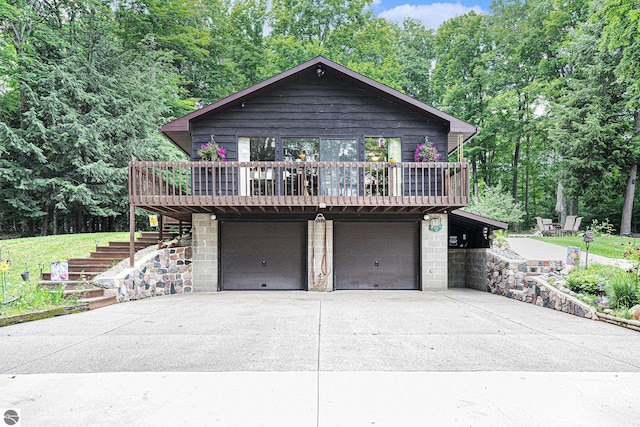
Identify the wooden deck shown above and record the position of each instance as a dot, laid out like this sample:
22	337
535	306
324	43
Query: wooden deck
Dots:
178	189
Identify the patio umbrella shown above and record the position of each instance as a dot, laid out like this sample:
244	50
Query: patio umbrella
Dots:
560	203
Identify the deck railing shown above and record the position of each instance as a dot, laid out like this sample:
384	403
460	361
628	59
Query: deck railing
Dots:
298	184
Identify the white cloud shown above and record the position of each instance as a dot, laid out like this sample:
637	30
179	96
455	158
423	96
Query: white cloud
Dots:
431	15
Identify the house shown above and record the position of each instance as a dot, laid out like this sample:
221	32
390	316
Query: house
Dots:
319	189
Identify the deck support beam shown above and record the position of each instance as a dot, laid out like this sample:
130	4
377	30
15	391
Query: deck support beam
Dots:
132	235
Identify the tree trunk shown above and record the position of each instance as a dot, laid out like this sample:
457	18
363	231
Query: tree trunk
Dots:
45	225
55	222
573	206
627	209
516	161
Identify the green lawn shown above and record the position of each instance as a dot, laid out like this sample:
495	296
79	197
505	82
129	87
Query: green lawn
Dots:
23	297
35	250
609	246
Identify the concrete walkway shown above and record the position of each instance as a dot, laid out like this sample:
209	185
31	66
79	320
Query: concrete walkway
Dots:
542	251
459	357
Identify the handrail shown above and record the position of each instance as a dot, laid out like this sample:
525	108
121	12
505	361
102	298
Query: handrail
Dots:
298	183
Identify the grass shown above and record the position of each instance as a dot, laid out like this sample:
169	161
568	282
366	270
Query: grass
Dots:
32	251
28	253
608	246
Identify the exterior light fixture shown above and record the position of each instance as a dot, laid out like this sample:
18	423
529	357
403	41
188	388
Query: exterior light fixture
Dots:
426	217
213	217
319	71
588	238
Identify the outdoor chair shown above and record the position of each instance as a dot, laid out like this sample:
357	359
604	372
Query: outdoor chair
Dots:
569	224
576	226
545	227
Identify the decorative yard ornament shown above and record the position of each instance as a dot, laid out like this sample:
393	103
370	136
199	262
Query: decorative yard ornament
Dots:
435	224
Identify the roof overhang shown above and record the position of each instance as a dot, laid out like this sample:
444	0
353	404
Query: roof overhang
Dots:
179	130
475	222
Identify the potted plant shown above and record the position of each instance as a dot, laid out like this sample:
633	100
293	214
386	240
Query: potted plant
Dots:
425	178
212	152
426	153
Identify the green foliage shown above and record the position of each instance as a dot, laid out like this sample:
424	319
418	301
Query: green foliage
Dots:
52	248
622	290
601	228
591	280
552	85
494	203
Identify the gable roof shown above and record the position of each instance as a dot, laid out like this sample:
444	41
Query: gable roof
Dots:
178	130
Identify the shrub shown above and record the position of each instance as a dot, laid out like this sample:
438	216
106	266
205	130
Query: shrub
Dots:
622	291
496	204
591	280
604	228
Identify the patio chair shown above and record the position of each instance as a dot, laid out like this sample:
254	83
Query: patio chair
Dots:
576	225
544	226
569	223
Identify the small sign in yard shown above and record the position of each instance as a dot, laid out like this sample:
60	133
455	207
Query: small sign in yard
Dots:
573	255
59	271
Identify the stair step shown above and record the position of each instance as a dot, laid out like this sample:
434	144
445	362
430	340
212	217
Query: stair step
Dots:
83	293
98	302
110	255
125	245
68	285
91	262
112	249
76	275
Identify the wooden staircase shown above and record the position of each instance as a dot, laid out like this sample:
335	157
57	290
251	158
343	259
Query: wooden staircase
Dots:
82	270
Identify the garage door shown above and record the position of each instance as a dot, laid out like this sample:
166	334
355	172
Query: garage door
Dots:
262	255
376	255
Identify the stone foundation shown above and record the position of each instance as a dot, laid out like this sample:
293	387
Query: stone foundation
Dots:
520	280
169	271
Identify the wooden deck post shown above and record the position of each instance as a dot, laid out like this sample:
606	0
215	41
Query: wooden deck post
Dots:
132	234
160	227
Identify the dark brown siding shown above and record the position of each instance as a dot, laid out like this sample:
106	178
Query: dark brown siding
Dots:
320	107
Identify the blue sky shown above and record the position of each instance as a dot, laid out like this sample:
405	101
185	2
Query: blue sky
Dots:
432	13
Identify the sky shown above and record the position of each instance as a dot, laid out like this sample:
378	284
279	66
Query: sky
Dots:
432	13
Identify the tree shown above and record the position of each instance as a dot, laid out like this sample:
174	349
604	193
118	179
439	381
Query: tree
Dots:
620	34
591	122
494	203
461	83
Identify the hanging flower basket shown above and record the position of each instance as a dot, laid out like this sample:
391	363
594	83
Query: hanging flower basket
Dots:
426	153
212	152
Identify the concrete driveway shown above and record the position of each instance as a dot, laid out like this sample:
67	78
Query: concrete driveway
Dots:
459	357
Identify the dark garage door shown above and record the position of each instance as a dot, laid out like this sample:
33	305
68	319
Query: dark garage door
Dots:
263	255
376	255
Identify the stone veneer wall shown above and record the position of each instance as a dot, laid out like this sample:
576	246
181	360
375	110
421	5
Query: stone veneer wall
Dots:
517	279
168	272
434	255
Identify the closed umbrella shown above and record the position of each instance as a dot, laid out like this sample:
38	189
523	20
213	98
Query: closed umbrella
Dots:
560	204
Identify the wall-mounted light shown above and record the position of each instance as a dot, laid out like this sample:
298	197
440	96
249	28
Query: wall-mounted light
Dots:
319	71
426	217
213	217
242	105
